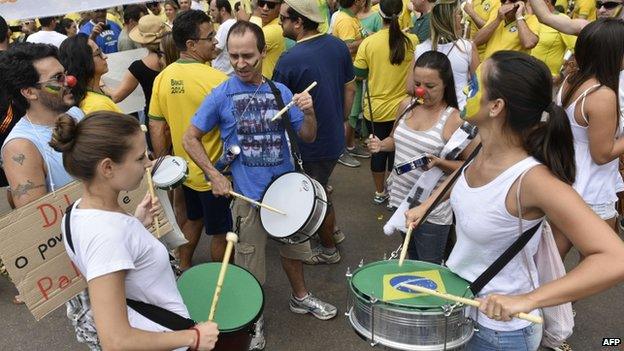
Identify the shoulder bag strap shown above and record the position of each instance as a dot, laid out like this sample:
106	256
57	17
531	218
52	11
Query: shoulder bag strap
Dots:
292	136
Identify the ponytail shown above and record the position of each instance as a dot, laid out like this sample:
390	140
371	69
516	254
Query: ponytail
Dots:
552	143
397	40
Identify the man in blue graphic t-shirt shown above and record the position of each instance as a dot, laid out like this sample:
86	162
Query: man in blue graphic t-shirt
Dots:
105	33
242	108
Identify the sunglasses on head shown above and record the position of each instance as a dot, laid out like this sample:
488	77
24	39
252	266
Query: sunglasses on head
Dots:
609	5
270	4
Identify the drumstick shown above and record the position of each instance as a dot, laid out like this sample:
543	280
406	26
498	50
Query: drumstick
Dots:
150	186
408	235
231	240
243	197
290	104
466	301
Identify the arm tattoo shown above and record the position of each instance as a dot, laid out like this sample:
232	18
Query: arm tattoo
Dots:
23	189
19	158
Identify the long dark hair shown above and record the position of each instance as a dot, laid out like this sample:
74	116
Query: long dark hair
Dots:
440	62
598	52
525	84
398	41
77	57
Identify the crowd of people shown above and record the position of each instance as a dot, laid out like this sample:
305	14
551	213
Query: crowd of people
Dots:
397	81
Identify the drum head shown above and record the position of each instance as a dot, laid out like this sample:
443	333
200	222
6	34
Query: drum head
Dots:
381	280
171	170
292	193
241	301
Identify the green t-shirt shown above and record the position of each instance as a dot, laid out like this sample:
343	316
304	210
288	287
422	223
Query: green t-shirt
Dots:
421	27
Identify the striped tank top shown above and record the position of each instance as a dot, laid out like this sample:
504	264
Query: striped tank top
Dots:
409	143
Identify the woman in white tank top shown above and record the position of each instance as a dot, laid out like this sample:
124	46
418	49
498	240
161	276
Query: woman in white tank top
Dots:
589	97
513	91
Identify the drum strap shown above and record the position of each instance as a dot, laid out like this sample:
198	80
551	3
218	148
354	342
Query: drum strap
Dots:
154	313
292	136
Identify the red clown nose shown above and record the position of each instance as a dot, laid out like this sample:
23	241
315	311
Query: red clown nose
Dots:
420	92
71	81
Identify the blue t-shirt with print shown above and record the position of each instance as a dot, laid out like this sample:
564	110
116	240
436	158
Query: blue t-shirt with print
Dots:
243	114
326	60
107	40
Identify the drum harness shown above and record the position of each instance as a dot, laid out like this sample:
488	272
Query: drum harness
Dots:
482	280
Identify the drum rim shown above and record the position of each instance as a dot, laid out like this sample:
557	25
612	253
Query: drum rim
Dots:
366	297
309	216
175	183
254	319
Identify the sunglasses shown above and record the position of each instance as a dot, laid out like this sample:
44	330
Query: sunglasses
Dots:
609	5
270	4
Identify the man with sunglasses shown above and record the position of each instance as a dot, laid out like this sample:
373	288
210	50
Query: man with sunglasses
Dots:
510	28
609	9
275	45
176	94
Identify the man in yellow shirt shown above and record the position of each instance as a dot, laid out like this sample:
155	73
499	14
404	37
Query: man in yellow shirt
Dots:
584	9
509	29
552	44
269	12
609	9
177	93
479	12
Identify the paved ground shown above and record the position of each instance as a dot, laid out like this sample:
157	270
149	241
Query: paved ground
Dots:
597	317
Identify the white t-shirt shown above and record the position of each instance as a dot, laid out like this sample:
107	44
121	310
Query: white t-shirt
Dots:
47	37
107	242
195	5
460	54
222	61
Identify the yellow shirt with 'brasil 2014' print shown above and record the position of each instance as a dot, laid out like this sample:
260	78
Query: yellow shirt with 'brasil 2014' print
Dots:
506	36
386	82
97	102
177	93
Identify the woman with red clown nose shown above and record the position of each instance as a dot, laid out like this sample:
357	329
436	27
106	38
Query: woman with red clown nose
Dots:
522	174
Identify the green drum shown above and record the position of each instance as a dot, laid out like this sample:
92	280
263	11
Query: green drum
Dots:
240	304
386	313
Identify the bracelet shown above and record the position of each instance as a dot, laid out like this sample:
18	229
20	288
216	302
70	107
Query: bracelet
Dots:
196	342
520	18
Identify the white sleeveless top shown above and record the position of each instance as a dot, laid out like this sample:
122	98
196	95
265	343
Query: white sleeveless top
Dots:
460	54
597	184
409	143
485	229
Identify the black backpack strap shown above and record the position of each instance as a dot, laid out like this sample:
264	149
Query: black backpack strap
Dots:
292	136
154	313
503	259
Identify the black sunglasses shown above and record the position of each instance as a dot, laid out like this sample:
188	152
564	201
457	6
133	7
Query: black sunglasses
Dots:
270	4
609	5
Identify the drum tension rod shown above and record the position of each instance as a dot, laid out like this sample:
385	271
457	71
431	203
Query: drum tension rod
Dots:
349	275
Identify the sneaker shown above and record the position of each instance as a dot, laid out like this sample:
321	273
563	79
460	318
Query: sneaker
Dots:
257	341
338	236
390	208
310	304
348	160
380	198
359	151
319	257
563	347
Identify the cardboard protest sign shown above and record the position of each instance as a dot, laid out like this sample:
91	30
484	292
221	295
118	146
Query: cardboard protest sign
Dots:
34	254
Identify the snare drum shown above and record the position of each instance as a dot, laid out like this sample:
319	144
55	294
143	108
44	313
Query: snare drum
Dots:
385	313
171	173
240	304
305	203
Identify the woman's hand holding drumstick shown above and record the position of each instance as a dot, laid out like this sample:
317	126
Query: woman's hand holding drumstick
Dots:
150	186
231	240
290	104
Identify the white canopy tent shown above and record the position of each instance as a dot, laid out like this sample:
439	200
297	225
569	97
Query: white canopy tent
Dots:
25	9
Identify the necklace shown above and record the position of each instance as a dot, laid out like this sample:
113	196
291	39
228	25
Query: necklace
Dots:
252	96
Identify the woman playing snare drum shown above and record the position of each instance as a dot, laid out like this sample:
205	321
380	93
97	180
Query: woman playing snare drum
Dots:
119	258
515	89
424	131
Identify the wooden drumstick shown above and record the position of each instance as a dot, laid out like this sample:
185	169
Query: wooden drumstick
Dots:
231	240
245	198
408	235
290	104
150	187
467	301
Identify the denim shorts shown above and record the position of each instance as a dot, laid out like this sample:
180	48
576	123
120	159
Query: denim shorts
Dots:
428	242
526	339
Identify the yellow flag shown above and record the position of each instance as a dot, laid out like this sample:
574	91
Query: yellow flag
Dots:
428	279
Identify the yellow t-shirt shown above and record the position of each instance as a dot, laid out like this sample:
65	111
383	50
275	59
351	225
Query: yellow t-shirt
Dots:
74	16
552	46
162	14
274	46
506	36
585	8
256	20
563	4
324	9
177	93
386	81
485	9
405	21
98	102
347	27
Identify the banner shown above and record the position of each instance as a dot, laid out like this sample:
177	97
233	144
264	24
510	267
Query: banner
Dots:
28	9
34	254
118	64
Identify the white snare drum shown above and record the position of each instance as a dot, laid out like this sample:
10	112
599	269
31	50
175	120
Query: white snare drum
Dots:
171	173
305	203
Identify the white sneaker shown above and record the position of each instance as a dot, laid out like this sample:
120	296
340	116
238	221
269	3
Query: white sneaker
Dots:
257	341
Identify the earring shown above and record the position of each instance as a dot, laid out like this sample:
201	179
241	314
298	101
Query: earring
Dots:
491	113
